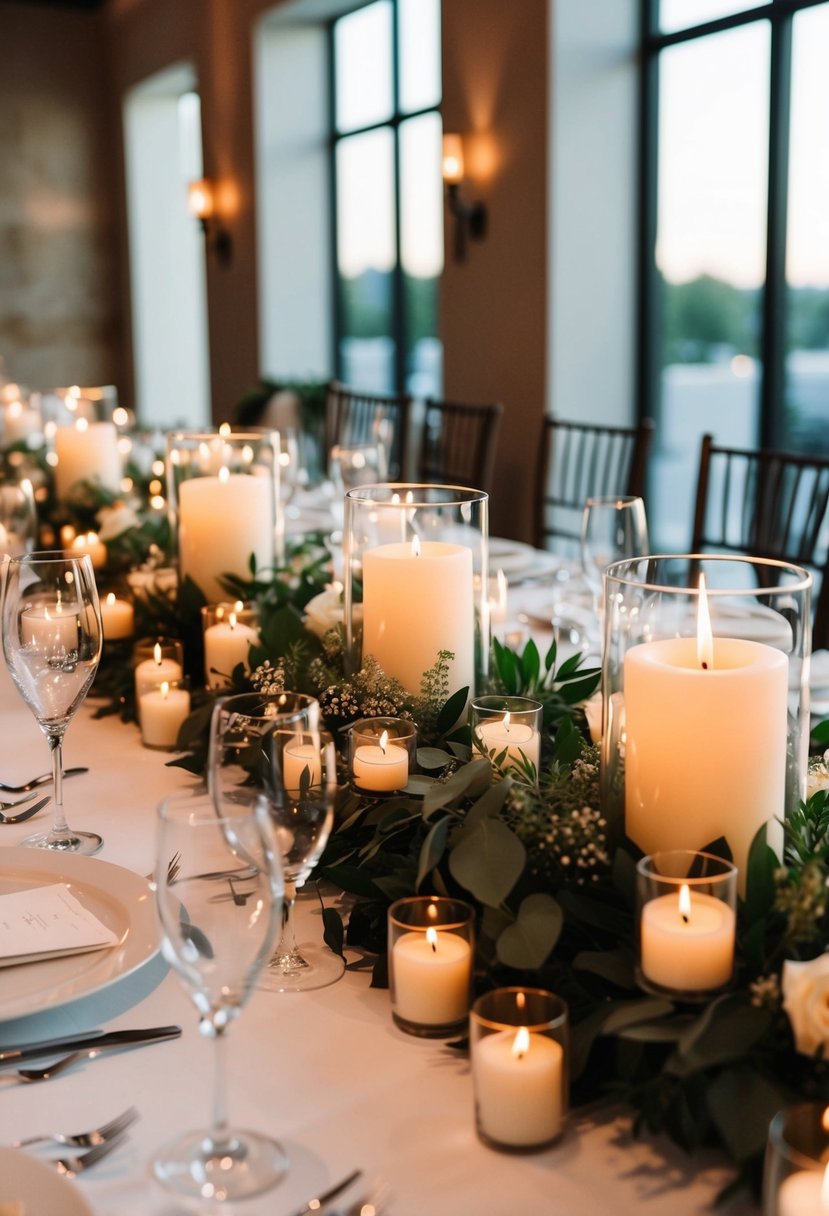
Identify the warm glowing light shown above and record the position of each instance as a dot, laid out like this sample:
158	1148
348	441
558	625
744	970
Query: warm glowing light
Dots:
231	620
157	653
200	199
521	1042
224	428
685	902
825	1120
157	468
415	546
452	160
224	473
384	741
506	720
520	1000
432	938
165	690
432	911
705	637
111	597
120	416
82	424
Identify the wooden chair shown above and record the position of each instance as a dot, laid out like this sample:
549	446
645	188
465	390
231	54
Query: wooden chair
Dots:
577	460
354	417
458	442
767	503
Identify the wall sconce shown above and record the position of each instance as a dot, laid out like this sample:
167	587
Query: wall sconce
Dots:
201	203
470	218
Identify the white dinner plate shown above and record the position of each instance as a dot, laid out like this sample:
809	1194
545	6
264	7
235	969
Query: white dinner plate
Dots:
511	556
122	900
38	1185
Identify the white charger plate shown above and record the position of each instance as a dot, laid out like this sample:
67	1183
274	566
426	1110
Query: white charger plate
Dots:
43	1191
122	900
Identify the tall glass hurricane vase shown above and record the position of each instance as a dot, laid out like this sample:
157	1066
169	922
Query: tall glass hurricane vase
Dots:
52	639
219	915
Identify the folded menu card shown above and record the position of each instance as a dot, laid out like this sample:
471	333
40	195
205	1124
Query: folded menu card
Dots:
45	922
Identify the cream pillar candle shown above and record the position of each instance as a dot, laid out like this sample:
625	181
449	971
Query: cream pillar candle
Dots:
381	767
431	977
519	1086
520	741
87	451
162	711
156	671
50	627
417	601
804	1193
226	644
687	941
705	747
222	520
118	618
19	422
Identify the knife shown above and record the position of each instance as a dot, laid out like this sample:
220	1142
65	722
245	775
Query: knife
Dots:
93	1041
314	1205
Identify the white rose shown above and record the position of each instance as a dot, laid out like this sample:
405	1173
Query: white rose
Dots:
817	778
806	1001
325	610
113	521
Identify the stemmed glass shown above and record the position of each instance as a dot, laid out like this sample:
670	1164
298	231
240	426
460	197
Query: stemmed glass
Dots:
52	643
612	528
219	916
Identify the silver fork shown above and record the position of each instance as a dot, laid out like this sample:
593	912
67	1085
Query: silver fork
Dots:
27	814
43	779
95	1135
70	1166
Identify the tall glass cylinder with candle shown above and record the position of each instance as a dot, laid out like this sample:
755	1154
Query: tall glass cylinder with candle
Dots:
795	1173
52	637
223	501
705	699
416	567
431	945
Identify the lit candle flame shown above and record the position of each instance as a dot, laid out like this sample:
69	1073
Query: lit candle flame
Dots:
705	637
157	653
432	911
685	902
520	1000
506	720
165	690
415	546
82	424
224	429
432	939
384	741
521	1043
111	597
231	620
503	587
224	473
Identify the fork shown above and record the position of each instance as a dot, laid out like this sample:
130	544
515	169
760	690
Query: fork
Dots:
43	779
96	1135
70	1166
27	814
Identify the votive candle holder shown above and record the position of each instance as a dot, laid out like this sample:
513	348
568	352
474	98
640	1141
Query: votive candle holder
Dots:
382	752
162	709
795	1172
507	730
229	630
430	952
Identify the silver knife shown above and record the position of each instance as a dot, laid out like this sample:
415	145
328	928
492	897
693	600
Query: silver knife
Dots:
314	1205
93	1041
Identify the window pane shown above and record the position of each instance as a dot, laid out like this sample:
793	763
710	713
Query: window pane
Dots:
363	67
807	254
421	252
710	254
683	14
366	254
419	43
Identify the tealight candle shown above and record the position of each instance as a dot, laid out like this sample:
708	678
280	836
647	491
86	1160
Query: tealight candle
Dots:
380	767
226	644
805	1193
521	742
162	711
795	1173
156	671
430	963
118	618
89	542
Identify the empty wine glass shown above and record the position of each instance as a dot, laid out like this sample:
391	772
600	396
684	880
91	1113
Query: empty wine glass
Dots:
52	643
612	528
18	518
219	916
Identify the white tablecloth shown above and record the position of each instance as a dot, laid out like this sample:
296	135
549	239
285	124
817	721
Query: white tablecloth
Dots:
327	1072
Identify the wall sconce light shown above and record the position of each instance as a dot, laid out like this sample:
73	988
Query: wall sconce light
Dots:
470	218
201	203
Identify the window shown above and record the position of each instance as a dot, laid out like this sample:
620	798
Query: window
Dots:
736	236
387	195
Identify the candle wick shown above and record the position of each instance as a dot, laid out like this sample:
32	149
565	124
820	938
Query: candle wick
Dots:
704	665
684	918
434	947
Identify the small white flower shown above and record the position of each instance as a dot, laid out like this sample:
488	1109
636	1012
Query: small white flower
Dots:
806	1001
325	610
115	520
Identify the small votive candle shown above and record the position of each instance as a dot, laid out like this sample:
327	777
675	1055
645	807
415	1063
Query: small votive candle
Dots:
382	753
519	1053
157	660
89	542
229	632
162	709
430	943
507	730
687	923
118	618
796	1174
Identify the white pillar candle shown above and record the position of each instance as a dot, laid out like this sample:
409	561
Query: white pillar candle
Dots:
520	740
431	977
162	711
687	941
222	520
417	602
804	1193
226	644
381	766
118	618
20	421
299	758
706	747
89	543
87	451
50	627
152	673
519	1085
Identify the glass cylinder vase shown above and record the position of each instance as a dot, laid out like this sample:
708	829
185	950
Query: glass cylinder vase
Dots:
705	723
796	1174
415	568
223	500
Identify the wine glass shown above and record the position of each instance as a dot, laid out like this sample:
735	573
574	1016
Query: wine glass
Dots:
612	528
18	518
219	916
52	643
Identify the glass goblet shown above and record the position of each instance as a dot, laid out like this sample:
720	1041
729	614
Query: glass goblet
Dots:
219	916
52	637
612	528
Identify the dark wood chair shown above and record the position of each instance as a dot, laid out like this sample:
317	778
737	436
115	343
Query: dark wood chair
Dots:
767	503
458	443
353	417
578	460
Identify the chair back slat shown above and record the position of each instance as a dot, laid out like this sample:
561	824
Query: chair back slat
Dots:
458	443
352	417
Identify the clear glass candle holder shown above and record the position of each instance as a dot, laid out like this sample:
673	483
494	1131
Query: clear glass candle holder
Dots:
796	1173
411	556
705	728
518	1042
156	660
382	752
161	710
223	502
229	630
508	731
431	950
687	919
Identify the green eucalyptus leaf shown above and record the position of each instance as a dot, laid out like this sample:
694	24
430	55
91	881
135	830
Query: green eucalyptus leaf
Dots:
568	741
352	879
454	787
820	733
530	664
742	1102
433	848
550	656
760	885
725	1032
333	930
629	1013
452	711
615	966
488	861
433	757
528	942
